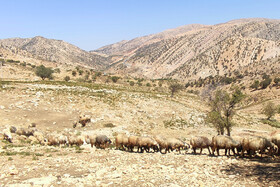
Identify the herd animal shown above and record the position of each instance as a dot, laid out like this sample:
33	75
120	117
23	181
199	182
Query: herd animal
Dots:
236	144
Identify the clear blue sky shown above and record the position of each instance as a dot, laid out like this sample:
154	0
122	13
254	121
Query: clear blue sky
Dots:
90	24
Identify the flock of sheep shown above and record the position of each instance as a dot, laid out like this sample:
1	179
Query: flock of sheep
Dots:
238	145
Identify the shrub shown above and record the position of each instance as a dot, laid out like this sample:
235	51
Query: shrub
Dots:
74	73
255	85
175	87
277	81
222	111
131	83
110	125
81	72
148	84
44	72
115	79
97	74
23	64
67	78
265	83
57	70
269	110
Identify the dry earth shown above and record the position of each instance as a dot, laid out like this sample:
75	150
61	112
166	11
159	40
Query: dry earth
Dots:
54	108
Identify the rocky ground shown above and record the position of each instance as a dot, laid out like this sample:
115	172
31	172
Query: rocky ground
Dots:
54	108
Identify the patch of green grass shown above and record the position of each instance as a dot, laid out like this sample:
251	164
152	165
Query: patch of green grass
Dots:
109	125
273	123
176	123
39	154
10	159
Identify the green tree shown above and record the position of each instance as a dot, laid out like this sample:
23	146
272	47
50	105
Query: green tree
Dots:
265	83
223	105
255	85
44	72
131	83
67	78
269	110
175	87
74	73
115	79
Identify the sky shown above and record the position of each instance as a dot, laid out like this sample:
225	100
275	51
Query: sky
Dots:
90	24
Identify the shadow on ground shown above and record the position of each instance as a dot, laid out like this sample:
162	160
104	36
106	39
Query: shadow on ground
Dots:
261	169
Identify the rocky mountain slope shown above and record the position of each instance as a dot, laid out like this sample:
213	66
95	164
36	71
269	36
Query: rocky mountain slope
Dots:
243	45
246	46
56	51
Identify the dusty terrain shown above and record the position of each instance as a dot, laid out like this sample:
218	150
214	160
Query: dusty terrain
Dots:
54	108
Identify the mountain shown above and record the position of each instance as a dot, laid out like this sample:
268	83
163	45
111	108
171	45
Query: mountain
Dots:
245	45
125	47
56	51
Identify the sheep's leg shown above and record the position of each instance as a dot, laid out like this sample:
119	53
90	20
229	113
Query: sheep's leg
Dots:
225	152
233	152
209	150
194	150
218	152
200	151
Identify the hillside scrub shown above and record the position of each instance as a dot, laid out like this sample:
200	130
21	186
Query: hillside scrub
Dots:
44	72
269	110
222	106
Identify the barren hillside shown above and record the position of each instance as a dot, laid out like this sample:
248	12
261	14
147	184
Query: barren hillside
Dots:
209	50
55	51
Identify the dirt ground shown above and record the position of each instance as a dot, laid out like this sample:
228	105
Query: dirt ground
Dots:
54	108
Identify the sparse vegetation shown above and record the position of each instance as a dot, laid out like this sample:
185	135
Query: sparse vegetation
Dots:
269	110
222	106
175	87
67	78
44	72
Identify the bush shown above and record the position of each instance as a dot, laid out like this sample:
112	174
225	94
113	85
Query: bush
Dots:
74	73
255	85
97	74
131	83
148	84
265	83
67	78
23	64
44	72
175	87
269	110
57	70
81	72
115	79
277	81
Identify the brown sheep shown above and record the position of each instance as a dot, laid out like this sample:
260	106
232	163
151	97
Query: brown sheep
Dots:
200	142
84	119
25	132
62	140
145	143
162	142
223	142
52	140
132	142
176	144
276	140
7	135
40	137
257	144
121	141
71	140
13	129
102	141
91	139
